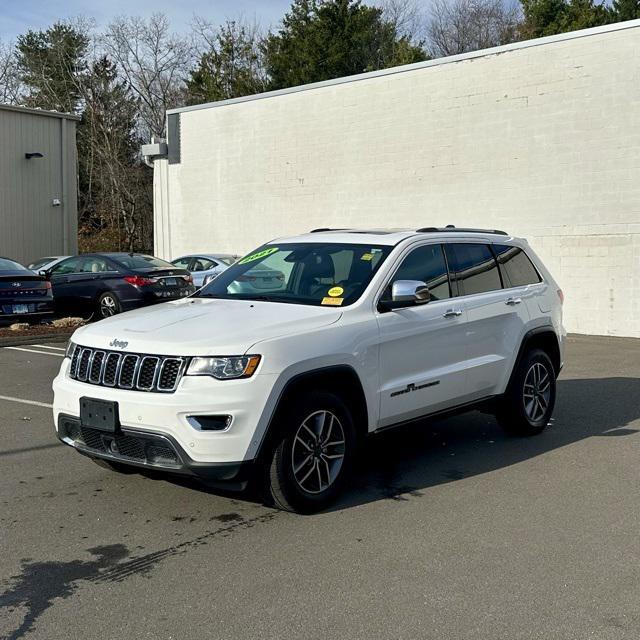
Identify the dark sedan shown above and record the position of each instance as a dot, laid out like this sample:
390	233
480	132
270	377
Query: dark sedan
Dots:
24	295
103	284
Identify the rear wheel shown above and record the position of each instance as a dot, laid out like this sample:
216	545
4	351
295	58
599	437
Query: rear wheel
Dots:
527	405
314	454
108	305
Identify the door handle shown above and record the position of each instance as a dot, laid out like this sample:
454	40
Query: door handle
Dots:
513	301
452	313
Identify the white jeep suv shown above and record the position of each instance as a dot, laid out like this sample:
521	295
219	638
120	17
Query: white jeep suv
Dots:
356	332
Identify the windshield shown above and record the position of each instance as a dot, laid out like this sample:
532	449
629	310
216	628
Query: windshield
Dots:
316	274
40	263
10	265
140	261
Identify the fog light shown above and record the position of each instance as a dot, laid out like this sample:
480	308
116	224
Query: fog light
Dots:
210	423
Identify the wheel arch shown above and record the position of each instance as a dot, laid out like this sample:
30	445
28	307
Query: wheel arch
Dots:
343	380
543	338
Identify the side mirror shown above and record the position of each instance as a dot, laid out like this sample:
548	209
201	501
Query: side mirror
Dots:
406	293
44	273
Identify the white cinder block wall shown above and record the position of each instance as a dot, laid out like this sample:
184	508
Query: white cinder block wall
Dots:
541	139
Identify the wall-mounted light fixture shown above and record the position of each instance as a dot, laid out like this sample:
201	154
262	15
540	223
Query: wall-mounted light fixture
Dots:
33	154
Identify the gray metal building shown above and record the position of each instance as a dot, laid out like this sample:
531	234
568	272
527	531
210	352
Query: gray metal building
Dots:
38	183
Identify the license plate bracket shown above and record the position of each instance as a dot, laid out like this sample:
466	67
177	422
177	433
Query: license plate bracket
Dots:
99	414
20	308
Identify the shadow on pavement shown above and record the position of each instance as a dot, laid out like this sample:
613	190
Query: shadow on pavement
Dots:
428	453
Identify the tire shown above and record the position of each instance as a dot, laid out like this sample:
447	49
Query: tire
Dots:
313	455
114	466
107	305
527	405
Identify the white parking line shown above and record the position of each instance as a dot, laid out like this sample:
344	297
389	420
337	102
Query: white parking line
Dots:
23	401
46	346
42	353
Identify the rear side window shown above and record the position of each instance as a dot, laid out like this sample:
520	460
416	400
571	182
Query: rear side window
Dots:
517	269
473	268
426	264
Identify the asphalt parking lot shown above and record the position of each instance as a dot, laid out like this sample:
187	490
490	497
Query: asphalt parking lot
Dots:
450	530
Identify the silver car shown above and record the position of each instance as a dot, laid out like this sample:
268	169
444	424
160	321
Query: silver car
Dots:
205	266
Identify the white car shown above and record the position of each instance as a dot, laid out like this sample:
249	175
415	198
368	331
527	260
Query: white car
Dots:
205	266
368	330
44	264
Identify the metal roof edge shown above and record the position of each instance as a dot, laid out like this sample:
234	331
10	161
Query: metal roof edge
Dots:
39	112
514	46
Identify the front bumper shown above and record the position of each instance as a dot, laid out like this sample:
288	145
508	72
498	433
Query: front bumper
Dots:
147	450
168	414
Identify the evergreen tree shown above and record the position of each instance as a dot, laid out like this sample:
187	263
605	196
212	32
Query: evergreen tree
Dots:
324	39
50	64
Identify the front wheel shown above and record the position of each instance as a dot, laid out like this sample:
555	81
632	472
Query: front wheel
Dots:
314	454
526	407
108	305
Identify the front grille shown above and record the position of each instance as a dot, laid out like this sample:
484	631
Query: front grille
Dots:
139	372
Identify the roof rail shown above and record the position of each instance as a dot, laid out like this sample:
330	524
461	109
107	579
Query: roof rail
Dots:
450	228
321	229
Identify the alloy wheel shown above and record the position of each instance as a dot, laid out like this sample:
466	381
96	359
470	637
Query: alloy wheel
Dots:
108	306
318	451
536	391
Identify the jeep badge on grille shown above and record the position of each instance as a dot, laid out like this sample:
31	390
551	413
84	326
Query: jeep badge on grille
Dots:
118	344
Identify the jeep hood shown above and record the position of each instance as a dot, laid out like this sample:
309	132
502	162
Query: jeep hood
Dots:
196	326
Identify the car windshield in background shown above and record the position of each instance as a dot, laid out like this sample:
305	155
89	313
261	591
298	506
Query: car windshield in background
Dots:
140	261
34	266
320	274
10	265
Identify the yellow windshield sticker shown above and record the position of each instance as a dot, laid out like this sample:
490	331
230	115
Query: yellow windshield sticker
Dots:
367	256
336	302
335	292
261	254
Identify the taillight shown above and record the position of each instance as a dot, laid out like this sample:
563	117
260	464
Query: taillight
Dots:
139	281
189	279
561	296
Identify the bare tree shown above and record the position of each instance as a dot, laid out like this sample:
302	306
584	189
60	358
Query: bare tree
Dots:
459	26
10	85
154	61
408	17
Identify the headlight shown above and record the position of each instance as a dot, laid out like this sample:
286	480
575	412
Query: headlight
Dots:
70	349
224	367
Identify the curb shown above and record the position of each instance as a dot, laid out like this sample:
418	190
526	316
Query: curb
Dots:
10	341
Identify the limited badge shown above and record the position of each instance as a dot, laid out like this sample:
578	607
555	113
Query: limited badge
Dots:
335	292
335	302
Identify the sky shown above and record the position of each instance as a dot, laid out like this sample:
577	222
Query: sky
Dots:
18	16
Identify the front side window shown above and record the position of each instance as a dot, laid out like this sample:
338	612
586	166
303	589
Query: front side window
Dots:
319	274
203	264
473	268
72	265
426	264
517	269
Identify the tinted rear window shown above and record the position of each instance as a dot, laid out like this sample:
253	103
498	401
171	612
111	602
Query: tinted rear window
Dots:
140	261
10	265
517	268
473	268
